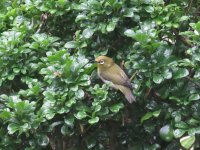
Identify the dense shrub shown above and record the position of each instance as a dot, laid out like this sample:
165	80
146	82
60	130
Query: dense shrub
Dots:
51	97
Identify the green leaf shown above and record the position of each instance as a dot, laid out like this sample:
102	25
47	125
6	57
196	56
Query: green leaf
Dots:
81	115
129	33
74	88
24	127
79	94
147	116
103	111
156	113
12	128
54	124
65	130
184	18
157	78
187	141
5	115
11	77
179	132
198	26
70	102
167	74
194	131
87	33
116	107
62	110
81	17
181	125
193	121
67	68
69	121
141	37
90	142
93	120
128	12
50	114
71	44
197	74
186	62
149	9
16	70
43	140
111	26
97	108
180	73
175	25
194	97
36	89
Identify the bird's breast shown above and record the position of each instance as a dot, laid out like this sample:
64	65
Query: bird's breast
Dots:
106	81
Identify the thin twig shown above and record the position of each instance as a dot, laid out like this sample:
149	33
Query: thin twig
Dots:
43	18
190	5
133	76
193	81
148	92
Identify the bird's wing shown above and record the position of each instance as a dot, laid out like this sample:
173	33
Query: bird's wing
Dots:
117	76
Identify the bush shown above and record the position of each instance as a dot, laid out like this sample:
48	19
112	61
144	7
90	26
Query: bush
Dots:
51	97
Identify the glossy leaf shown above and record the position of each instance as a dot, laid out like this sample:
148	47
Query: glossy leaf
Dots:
157	78
194	97
110	27
116	107
179	132
12	128
187	141
43	140
129	33
93	120
81	115
87	33
71	44
180	73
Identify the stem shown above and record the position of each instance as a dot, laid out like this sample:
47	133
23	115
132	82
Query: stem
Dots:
133	76
190	79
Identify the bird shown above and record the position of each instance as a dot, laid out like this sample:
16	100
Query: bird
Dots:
110	73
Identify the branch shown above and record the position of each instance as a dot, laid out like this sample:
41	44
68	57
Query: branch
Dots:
190	5
190	79
133	76
43	18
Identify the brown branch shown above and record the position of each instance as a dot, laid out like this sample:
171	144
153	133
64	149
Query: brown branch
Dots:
190	79
185	40
43	18
133	76
147	93
112	140
190	5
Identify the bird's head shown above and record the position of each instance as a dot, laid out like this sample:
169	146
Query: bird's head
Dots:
104	62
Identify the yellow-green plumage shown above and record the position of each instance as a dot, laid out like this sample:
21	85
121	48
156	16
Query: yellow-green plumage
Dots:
112	74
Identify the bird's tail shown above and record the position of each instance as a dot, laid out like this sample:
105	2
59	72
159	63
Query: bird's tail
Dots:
127	92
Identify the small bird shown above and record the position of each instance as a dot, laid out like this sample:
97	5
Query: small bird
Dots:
111	74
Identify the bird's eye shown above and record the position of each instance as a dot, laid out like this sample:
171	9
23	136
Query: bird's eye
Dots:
101	61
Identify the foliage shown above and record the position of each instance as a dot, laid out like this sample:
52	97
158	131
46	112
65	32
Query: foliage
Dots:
51	98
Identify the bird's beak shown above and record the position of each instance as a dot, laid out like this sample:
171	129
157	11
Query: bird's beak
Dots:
95	61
